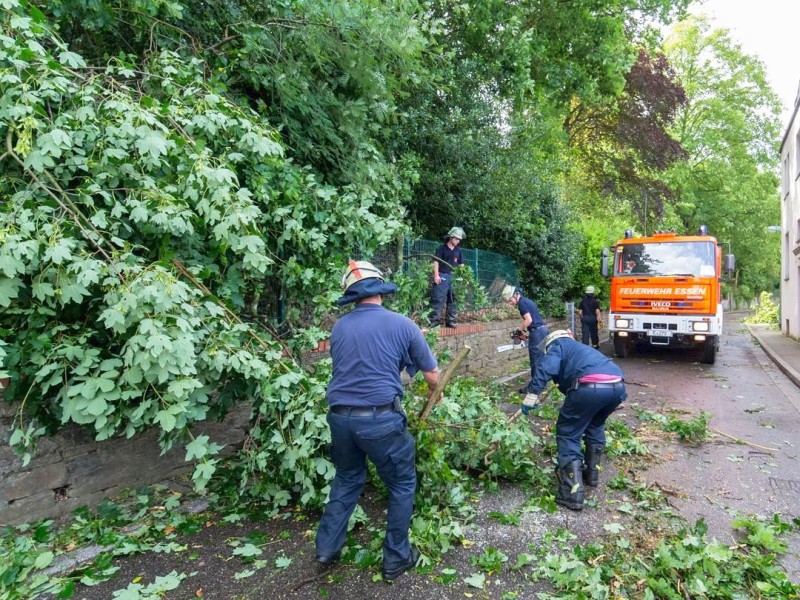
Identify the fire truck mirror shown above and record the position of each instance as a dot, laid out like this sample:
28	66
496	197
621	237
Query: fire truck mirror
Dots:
729	263
604	263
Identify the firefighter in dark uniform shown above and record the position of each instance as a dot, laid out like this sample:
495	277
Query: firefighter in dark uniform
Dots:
532	321
589	312
370	346
447	258
593	388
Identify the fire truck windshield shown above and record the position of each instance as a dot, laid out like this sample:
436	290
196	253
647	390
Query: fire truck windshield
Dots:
696	259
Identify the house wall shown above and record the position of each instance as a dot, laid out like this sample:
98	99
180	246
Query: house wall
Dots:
790	226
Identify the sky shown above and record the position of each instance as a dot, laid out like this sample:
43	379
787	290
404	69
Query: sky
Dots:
767	29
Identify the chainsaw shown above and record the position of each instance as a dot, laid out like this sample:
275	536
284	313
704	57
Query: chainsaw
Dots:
519	339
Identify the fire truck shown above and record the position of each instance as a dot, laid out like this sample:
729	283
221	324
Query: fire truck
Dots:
666	291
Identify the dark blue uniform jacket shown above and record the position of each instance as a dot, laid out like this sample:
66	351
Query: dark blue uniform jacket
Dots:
452	258
526	305
370	346
566	360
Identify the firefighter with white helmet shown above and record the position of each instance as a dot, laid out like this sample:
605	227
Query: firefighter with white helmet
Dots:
532	321
590	316
447	258
369	348
593	388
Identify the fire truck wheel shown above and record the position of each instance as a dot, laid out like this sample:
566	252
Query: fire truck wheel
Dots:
622	347
709	352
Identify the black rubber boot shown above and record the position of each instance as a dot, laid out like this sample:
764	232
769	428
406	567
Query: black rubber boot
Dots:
410	563
570	486
591	460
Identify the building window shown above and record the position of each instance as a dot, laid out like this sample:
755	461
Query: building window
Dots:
785	176
796	155
786	254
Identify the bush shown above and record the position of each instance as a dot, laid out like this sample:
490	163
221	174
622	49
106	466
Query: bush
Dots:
767	311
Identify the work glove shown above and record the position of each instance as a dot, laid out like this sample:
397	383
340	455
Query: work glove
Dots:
530	403
599	325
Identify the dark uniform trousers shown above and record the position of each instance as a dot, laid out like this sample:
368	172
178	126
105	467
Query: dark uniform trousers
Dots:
589	330
382	437
583	416
535	337
440	294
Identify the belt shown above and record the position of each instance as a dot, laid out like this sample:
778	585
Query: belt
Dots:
597	385
361	411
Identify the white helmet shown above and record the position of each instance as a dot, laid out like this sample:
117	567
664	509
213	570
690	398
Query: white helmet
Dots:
508	293
357	270
553	336
456	232
590	289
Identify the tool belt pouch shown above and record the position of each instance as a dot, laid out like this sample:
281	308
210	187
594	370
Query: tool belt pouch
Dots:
398	407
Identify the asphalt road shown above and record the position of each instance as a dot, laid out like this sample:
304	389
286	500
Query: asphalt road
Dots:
749	398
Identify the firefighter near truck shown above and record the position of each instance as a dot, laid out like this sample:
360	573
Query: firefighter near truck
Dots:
666	290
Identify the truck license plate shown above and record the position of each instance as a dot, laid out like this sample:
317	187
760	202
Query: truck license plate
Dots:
659	333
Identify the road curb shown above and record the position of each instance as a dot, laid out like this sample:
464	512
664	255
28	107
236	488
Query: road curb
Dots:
770	352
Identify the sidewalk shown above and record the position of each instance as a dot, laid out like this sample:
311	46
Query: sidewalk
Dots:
783	350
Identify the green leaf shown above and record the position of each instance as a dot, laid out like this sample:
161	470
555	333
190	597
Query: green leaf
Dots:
614	527
71	59
248	551
43	560
166	420
476	580
97	406
153	144
197	448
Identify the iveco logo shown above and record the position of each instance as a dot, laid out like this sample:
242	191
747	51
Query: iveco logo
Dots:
661	304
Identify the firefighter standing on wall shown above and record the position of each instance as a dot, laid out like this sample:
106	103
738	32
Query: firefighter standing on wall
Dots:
532	321
369	348
447	258
593	388
589	312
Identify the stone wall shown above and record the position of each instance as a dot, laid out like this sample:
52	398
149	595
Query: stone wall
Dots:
71	469
484	361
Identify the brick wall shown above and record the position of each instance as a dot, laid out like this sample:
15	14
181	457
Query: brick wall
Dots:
71	469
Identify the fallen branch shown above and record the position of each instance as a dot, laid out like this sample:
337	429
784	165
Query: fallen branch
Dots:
649	385
325	572
436	394
741	441
495	445
670	491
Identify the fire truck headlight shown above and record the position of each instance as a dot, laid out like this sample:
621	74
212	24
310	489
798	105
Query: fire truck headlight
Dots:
622	323
700	326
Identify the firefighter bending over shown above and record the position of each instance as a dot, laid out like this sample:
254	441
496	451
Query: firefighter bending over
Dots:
593	388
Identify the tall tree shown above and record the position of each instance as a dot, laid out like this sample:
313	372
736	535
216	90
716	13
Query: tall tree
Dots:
622	147
730	129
